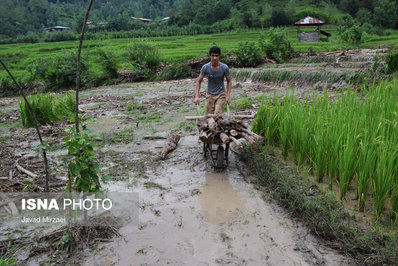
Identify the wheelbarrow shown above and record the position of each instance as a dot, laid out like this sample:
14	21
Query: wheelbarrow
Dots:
216	149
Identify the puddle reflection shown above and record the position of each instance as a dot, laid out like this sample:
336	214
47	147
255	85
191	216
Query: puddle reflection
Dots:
219	201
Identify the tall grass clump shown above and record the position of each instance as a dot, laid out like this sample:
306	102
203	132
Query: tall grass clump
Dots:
351	138
47	109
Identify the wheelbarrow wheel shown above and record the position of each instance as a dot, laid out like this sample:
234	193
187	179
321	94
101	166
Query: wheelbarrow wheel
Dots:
220	156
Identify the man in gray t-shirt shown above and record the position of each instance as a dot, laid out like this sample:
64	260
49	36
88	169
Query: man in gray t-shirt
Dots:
215	71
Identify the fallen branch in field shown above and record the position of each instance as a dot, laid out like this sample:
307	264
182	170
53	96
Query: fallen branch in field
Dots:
23	170
171	144
224	129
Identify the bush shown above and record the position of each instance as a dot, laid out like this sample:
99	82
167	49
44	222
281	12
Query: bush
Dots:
144	54
248	55
392	61
276	44
109	63
175	71
140	73
59	72
349	31
47	109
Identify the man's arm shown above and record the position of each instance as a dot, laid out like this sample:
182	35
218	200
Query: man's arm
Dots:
229	87
198	83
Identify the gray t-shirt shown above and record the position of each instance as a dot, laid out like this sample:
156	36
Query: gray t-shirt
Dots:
215	84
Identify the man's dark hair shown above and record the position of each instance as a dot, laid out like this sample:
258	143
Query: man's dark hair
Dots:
215	50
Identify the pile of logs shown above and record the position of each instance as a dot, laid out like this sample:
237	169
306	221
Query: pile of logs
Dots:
213	128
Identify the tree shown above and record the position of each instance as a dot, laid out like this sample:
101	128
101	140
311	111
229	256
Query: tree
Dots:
385	14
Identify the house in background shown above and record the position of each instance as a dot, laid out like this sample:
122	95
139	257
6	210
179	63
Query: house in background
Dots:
145	20
312	35
57	29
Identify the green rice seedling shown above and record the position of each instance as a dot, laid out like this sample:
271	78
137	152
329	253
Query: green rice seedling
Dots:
354	136
42	106
64	106
383	178
47	109
367	162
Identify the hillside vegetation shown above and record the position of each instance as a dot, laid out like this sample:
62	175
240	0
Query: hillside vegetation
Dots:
185	16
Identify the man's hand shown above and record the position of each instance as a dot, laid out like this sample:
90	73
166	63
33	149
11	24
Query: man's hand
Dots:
196	100
227	99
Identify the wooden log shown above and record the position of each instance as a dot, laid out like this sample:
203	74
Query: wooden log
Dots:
212	123
233	133
224	138
171	144
248	138
23	170
240	145
214	116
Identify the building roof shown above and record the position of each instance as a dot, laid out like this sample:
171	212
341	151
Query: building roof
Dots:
142	19
309	21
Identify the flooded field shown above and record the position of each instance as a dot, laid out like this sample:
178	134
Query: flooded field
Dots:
190	213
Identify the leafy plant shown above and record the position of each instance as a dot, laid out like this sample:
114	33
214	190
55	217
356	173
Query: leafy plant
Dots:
349	31
83	168
276	44
4	262
248	55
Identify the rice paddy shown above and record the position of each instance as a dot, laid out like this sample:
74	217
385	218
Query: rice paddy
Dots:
350	141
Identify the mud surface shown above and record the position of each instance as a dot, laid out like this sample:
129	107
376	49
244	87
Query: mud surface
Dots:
189	212
195	215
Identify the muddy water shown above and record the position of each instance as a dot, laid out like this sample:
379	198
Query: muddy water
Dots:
206	217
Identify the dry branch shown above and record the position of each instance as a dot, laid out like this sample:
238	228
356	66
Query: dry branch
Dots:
23	170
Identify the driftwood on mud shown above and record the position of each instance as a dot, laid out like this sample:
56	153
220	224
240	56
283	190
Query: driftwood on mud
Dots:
171	144
23	170
222	128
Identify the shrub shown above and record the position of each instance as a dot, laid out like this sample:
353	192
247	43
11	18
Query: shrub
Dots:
392	61
109	63
140	73
276	44
144	54
47	109
248	55
175	71
349	31
59	72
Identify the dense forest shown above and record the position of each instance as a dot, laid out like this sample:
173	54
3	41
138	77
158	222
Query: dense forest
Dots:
24	17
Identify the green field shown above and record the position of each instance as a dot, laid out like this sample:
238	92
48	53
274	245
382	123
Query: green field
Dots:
20	58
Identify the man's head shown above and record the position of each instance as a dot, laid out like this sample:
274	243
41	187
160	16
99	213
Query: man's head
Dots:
214	54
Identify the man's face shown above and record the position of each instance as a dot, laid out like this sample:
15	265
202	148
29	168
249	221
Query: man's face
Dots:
214	57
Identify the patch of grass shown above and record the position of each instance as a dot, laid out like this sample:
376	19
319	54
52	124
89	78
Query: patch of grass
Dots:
47	108
3	139
187	126
241	103
320	211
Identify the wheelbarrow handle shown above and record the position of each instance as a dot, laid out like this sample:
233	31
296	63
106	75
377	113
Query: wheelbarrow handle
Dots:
197	106
228	109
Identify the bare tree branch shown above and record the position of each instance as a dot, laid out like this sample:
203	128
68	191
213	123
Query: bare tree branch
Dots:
78	66
34	121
